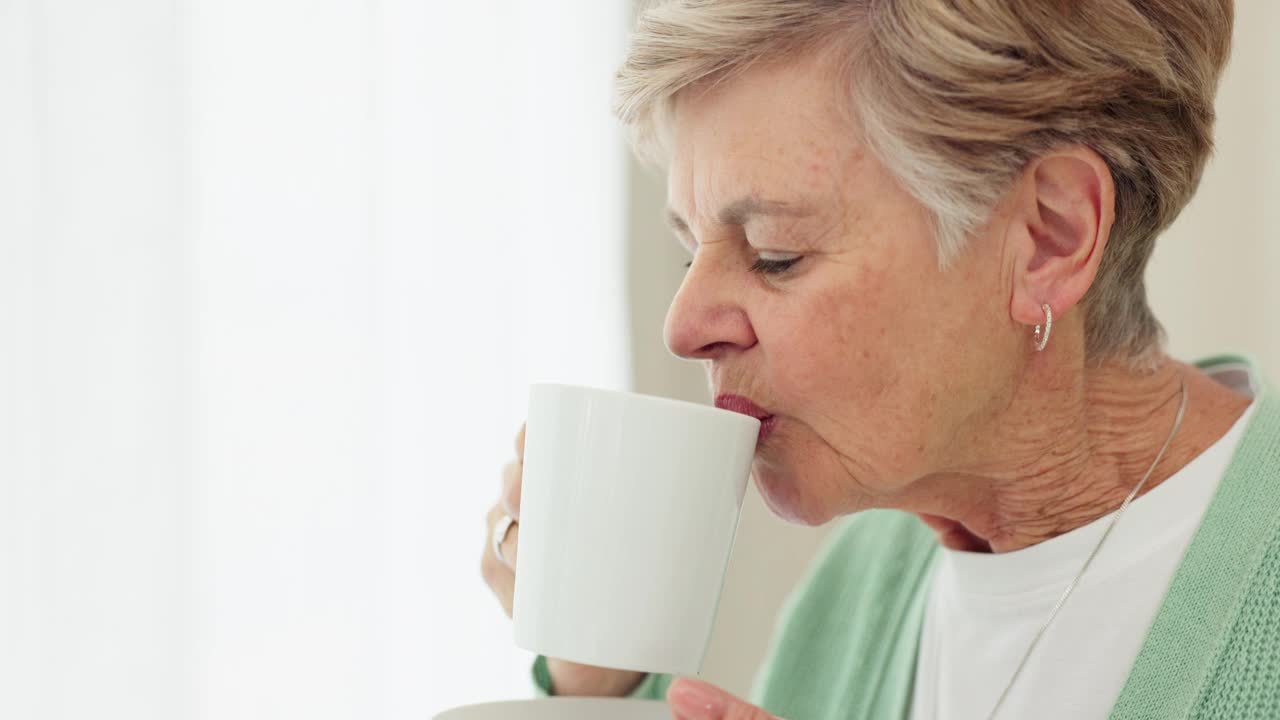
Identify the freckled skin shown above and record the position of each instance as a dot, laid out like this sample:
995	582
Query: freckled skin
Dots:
864	349
895	384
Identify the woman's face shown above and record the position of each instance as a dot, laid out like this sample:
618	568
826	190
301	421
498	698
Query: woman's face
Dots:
880	369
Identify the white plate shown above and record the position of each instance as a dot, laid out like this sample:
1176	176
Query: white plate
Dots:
567	708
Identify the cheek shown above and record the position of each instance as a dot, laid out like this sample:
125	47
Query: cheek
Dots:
849	364
838	342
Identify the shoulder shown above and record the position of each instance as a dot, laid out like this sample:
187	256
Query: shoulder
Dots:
873	563
1261	442
872	545
853	618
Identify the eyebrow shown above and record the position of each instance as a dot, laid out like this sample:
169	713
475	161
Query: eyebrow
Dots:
743	209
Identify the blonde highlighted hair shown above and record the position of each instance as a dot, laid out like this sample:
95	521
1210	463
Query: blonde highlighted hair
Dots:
956	96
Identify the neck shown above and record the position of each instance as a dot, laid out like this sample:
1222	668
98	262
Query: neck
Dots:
1067	453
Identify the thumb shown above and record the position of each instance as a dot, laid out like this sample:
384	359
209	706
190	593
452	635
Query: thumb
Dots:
696	700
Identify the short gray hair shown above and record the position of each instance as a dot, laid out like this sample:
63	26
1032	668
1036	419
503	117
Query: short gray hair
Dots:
956	98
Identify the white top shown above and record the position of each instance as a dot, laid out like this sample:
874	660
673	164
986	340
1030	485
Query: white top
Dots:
984	609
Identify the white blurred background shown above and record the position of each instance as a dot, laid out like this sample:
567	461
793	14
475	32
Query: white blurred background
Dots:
274	278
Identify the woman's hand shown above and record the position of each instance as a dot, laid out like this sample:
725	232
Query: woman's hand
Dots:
500	572
567	678
696	700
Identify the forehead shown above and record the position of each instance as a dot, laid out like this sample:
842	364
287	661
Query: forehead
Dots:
776	126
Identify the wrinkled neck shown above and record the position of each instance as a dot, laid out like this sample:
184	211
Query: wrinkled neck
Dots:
1070	452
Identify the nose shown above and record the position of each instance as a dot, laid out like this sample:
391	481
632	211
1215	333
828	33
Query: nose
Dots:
706	319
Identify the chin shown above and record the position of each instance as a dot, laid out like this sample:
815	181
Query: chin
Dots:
784	498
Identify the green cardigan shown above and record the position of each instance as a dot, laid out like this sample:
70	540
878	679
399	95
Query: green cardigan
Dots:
849	635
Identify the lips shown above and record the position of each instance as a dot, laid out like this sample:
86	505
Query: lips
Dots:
744	405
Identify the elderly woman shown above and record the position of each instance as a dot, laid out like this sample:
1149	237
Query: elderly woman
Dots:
919	230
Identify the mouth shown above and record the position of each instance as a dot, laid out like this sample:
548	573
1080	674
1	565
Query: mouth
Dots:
745	406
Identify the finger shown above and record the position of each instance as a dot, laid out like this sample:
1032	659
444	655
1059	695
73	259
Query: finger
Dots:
500	577
511	477
520	443
696	700
492	517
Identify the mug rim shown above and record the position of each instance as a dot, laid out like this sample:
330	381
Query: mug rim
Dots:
645	397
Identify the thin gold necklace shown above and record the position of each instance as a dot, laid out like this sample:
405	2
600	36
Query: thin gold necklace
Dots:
1177	422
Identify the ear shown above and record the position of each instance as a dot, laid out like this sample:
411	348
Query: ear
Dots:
1064	206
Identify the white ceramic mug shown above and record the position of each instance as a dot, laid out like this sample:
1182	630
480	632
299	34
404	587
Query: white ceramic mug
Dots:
628	511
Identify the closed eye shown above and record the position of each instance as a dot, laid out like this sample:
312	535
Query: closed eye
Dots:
765	266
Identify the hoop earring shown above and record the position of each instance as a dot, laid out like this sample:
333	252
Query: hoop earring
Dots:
1042	339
